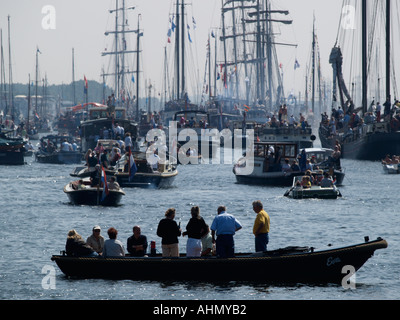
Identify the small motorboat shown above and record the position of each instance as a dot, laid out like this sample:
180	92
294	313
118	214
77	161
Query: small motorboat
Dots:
82	193
391	168
287	265
298	191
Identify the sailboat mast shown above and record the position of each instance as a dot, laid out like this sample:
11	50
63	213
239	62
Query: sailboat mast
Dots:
73	75
36	79
183	46
388	48
364	55
116	80
137	69
29	103
11	98
313	68
223	36
234	49
177	58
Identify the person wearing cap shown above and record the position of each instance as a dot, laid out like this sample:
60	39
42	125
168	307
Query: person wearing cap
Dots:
96	240
261	227
224	226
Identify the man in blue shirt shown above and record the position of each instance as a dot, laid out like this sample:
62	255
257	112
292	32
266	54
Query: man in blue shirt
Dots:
224	226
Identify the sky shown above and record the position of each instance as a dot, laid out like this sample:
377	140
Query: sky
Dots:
57	26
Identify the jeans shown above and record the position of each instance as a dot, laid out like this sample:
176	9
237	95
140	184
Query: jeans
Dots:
261	242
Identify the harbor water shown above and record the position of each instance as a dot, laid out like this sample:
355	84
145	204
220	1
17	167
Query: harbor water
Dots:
35	217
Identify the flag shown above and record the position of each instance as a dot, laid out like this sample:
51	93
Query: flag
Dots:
104	181
38	51
37	116
86	86
194	23
133	78
190	39
296	65
173	26
247	108
132	166
212	34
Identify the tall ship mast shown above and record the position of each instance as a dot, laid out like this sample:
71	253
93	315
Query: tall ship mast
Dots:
122	74
248	71
365	129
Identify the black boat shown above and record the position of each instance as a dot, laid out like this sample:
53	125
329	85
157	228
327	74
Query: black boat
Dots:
146	175
11	150
287	265
367	138
98	120
84	194
50	151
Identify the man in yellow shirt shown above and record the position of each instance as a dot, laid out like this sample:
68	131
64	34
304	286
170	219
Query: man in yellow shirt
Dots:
261	227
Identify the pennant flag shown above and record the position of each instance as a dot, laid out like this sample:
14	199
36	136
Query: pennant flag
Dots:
173	26
38	51
212	34
105	186
281	65
194	23
169	40
296	65
132	166
37	116
169	32
133	78
190	39
247	108
85	89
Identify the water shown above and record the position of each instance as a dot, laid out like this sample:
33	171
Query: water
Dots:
35	217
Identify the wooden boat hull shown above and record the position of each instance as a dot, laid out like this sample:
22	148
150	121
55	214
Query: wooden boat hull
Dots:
70	157
279	266
92	196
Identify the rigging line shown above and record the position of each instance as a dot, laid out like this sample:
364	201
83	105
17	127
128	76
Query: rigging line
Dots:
340	23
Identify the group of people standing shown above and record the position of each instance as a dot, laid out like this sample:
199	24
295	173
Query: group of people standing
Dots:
223	228
200	242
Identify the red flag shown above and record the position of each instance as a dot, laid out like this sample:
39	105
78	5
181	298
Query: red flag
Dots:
86	83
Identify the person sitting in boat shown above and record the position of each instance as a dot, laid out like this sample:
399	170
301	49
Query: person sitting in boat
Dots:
77	247
207	247
305	182
95	176
153	160
104	158
295	166
96	240
112	246
286	166
309	166
327	181
99	148
66	146
113	184
137	243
